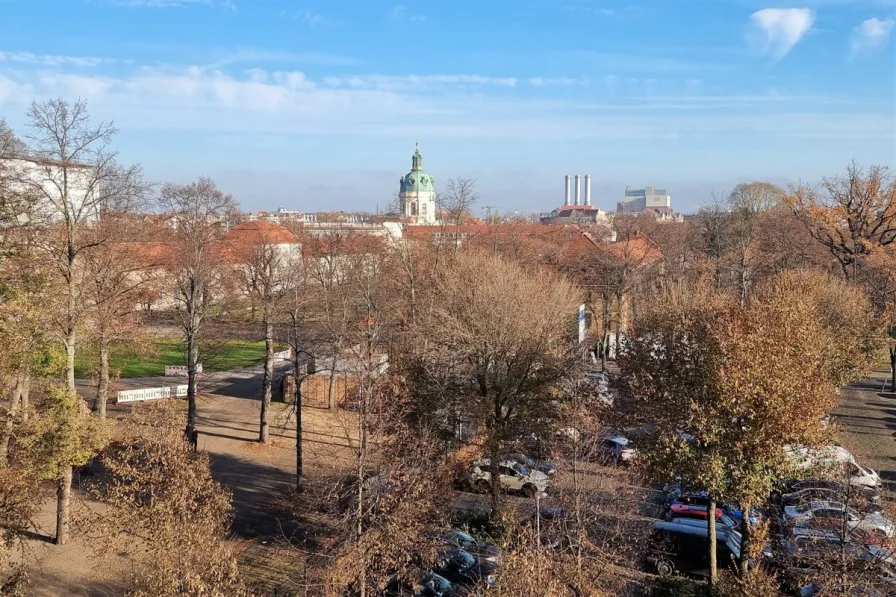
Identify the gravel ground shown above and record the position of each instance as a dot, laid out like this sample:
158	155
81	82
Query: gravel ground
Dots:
867	416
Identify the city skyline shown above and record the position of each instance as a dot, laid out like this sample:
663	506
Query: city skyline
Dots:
315	106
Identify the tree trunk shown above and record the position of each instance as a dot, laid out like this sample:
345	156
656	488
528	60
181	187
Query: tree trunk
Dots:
10	419
192	361
25	395
70	359
268	380
362	463
331	403
745	530
63	506
893	368
298	428
713	564
102	391
495	485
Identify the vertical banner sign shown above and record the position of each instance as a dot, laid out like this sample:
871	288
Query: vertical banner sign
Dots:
581	324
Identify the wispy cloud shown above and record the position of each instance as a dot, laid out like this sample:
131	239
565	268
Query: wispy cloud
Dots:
607	11
52	59
411	83
782	28
262	57
400	12
259	101
314	18
547	81
871	35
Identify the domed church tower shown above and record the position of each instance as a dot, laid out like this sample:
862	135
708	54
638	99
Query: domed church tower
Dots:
417	194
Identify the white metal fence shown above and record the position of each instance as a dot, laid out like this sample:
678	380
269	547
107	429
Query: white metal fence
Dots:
141	394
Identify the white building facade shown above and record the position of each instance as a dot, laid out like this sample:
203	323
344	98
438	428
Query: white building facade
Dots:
55	192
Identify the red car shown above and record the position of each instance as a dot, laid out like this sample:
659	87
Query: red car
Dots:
691	511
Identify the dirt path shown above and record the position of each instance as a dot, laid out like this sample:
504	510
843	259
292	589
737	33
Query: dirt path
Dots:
228	429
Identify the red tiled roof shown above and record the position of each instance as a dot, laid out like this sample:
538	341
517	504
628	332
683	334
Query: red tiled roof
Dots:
342	244
261	231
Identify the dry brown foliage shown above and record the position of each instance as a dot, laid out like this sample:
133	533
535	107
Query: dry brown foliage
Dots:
168	509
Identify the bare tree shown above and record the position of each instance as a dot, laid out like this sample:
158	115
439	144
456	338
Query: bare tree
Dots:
115	275
198	211
75	180
296	305
456	203
851	215
262	261
506	360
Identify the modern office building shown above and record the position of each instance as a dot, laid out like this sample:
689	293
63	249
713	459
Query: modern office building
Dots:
648	198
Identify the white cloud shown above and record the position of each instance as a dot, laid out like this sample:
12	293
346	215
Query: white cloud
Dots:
288	102
314	19
409	83
255	56
399	12
546	81
872	34
782	28
52	60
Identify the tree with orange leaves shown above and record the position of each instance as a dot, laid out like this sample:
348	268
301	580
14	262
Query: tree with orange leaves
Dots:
854	215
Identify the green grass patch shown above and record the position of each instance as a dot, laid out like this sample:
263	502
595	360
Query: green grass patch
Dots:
214	356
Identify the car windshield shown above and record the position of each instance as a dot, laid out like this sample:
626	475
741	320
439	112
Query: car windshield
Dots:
437	583
803	508
463	539
521	469
733	546
726	520
462	559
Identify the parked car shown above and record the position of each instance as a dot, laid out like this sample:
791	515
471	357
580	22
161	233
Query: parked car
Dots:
826	514
461	568
545	466
479	549
700	499
805	458
616	448
428	584
861	500
683	547
699	513
513	477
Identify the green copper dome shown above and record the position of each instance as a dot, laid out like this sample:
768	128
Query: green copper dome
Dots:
417	179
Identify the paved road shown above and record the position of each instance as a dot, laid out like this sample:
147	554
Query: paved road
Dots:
867	415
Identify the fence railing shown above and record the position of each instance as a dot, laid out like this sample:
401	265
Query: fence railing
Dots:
141	394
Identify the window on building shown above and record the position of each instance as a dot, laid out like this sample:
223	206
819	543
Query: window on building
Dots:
414	208
423	209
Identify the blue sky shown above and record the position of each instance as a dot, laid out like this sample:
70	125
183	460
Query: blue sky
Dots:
315	104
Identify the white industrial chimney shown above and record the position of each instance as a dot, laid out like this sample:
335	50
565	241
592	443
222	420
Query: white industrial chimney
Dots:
588	189
568	196
578	189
